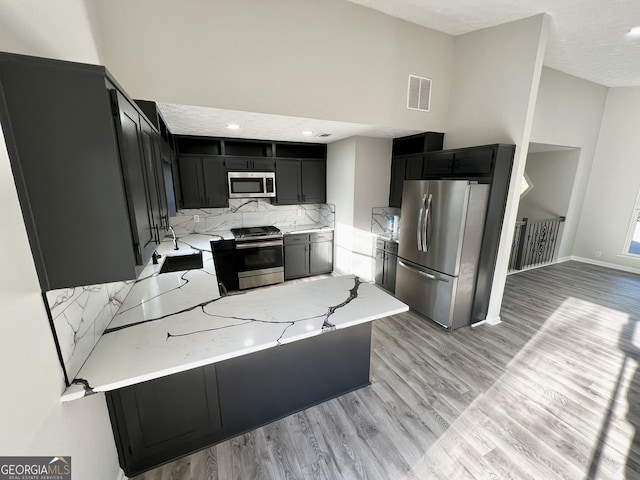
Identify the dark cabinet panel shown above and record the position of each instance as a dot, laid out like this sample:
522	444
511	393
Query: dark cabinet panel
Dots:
296	260
413	169
398	166
165	418
288	181
203	182
224	259
320	257
191	182
234	164
135	178
306	254
437	163
386	264
477	161
313	180
215	182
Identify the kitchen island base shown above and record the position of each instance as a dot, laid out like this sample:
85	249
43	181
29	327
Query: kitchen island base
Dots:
160	420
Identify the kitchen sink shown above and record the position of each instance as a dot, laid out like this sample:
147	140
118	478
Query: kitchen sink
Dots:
176	263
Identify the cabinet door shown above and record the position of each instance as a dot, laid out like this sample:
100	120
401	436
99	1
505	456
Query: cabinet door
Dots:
379	275
477	161
191	183
151	167
390	266
437	164
263	164
287	181
413	169
296	260
320	257
165	418
129	142
398	165
313	180
160	182
215	182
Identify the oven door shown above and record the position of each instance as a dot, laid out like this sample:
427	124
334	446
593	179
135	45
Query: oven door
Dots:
259	255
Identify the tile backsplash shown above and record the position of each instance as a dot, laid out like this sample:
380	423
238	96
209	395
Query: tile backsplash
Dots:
80	315
251	213
380	219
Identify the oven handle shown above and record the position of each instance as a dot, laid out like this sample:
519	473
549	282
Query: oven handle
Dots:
242	246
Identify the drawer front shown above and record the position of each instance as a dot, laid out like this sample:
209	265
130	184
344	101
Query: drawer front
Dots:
322	237
296	239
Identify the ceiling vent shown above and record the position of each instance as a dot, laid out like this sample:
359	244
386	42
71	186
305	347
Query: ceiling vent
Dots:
323	135
419	93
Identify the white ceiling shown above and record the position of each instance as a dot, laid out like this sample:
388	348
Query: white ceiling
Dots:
587	37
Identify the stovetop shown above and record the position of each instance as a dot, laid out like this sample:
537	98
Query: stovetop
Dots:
256	232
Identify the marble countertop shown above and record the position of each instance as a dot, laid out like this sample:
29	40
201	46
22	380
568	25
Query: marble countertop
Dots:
172	322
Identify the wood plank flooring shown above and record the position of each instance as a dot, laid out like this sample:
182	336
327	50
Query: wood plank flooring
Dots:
552	392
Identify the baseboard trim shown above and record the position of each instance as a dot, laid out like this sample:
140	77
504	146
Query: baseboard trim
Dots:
599	263
488	321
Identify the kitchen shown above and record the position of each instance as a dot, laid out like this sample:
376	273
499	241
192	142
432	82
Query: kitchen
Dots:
348	205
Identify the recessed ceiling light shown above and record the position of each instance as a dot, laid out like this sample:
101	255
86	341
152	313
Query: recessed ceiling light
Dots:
307	133
634	32
233	126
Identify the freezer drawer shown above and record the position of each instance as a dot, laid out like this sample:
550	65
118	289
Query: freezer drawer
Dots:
433	294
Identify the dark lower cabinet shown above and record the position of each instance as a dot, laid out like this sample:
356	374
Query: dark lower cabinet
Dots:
166	418
308	254
163	419
224	259
386	264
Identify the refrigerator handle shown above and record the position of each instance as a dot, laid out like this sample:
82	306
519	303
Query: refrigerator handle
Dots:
427	225
419	223
415	270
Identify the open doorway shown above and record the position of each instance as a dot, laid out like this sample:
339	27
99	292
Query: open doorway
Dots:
544	205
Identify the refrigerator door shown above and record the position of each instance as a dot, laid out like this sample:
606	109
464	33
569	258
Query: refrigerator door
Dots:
414	196
436	211
428	292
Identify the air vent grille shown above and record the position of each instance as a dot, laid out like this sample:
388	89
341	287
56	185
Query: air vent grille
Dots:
419	93
323	135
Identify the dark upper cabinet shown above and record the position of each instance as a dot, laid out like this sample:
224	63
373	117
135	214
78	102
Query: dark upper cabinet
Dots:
288	181
135	176
234	164
414	167
437	163
301	181
203	182
313	180
215	182
476	161
84	203
398	167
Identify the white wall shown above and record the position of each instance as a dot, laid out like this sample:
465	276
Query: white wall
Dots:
495	83
371	189
341	170
569	113
328	59
33	420
614	182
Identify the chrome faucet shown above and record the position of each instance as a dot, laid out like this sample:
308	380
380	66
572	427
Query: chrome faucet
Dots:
175	240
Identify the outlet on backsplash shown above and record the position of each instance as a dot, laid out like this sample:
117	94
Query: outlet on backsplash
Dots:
196	218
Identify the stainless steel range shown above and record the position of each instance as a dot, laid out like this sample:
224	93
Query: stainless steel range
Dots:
259	256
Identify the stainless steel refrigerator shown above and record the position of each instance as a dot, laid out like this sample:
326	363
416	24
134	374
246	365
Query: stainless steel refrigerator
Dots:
440	239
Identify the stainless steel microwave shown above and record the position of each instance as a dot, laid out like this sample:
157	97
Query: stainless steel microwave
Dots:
252	184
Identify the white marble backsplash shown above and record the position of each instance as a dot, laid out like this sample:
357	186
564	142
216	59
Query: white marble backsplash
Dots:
80	315
251	213
380	219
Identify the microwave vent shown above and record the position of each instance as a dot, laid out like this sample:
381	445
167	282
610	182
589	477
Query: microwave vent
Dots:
419	93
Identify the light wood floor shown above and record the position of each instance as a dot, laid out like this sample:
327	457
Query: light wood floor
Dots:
552	392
